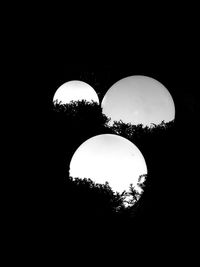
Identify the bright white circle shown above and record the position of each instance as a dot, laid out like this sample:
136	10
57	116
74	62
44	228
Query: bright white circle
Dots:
138	100
110	158
75	91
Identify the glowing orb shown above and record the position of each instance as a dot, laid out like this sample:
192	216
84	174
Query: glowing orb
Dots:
138	100
75	91
110	158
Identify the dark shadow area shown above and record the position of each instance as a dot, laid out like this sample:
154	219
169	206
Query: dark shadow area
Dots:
161	46
73	124
73	214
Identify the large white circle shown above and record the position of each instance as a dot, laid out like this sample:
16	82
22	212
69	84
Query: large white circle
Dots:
75	91
138	100
110	158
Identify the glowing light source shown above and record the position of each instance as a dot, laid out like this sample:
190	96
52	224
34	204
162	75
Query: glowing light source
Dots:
76	91
138	100
110	158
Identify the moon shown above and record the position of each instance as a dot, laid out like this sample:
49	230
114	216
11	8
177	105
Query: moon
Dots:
75	91
109	158
138	100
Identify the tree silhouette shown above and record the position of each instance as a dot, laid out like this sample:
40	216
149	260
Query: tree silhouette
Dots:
71	125
85	198
81	112
74	123
130	131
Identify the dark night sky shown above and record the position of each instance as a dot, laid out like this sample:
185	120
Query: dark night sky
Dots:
101	56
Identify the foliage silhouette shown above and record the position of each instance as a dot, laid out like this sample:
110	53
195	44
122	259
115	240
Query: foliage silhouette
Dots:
130	131
73	124
91	199
80	112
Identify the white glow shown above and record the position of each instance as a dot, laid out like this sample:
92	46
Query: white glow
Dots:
110	158
76	91
138	100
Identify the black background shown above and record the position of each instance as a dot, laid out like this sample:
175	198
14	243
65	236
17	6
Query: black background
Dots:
100	54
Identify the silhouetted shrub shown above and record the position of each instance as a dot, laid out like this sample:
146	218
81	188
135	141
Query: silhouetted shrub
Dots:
81	112
87	198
